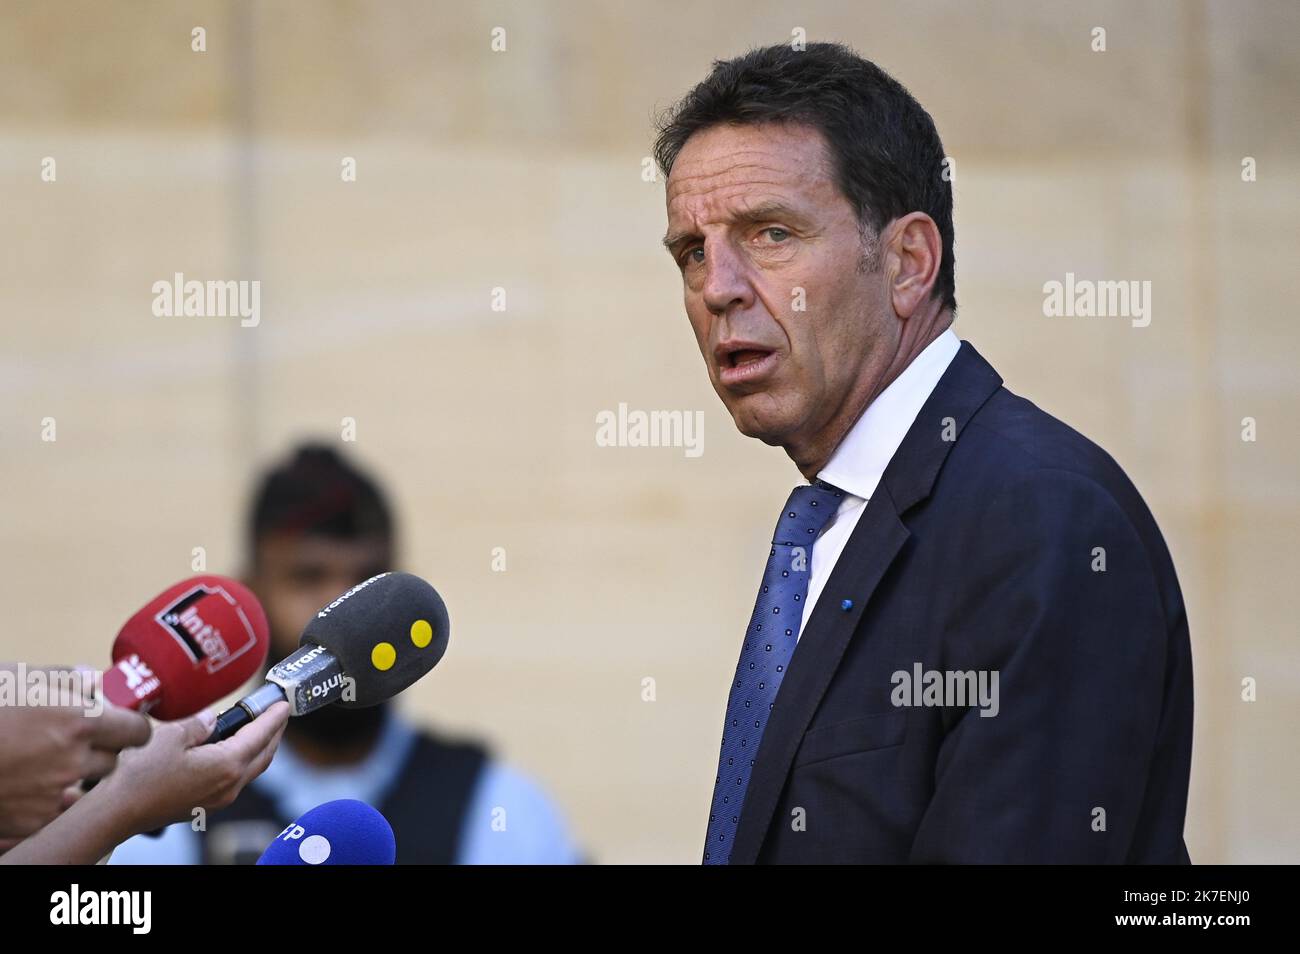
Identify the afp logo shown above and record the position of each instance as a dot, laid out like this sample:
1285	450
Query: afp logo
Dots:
312	849
209	625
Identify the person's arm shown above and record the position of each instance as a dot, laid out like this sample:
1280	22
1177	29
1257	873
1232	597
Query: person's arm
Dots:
45	751
1058	774
158	784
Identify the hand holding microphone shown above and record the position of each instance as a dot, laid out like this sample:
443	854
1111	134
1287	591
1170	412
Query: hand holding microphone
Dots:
195	642
366	646
46	750
159	783
164	781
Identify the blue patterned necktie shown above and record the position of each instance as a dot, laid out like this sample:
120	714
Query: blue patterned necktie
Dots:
769	644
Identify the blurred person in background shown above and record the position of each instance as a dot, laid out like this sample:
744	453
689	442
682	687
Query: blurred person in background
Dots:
318	527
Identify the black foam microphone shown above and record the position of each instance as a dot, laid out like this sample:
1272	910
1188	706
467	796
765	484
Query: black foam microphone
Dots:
368	645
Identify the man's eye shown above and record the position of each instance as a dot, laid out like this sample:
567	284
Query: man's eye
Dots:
776	233
695	256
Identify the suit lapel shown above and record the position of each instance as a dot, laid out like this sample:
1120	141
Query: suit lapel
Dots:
880	534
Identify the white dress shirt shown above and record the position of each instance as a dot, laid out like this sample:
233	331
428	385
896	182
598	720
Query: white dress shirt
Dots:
859	462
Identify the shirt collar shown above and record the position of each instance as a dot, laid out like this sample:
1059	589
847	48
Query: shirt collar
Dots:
861	458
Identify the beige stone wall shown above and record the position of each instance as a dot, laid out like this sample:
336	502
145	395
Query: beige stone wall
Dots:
522	170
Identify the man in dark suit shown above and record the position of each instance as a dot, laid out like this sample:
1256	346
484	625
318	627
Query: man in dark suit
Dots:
969	643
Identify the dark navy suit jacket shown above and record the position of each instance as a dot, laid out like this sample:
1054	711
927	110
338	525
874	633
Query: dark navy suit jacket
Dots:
982	550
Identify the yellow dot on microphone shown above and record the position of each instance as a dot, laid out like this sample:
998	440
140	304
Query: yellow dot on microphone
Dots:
383	656
421	633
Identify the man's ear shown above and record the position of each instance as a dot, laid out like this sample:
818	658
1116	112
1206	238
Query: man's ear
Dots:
913	253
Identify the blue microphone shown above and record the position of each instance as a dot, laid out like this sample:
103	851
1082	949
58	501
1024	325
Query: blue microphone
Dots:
342	832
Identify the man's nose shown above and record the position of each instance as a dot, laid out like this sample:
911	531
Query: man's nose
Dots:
726	282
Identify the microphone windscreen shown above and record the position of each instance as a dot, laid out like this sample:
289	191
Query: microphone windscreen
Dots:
386	633
200	639
342	832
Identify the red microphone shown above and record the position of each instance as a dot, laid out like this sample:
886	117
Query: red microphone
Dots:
192	644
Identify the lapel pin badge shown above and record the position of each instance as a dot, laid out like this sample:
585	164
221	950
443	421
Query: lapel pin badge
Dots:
846	605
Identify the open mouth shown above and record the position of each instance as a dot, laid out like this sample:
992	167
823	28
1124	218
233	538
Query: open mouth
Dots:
738	359
744	364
